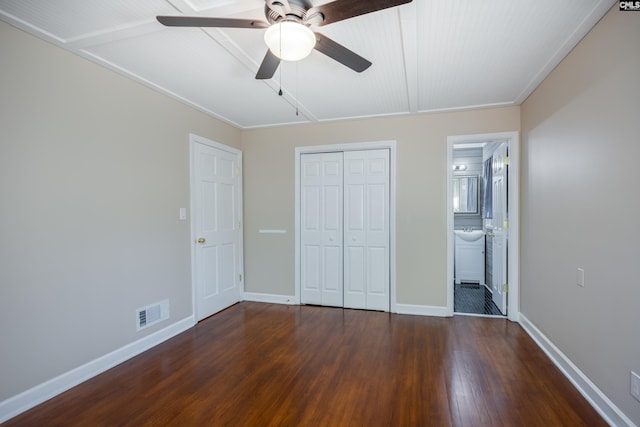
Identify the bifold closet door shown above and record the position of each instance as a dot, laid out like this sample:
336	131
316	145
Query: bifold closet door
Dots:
366	229
321	218
344	223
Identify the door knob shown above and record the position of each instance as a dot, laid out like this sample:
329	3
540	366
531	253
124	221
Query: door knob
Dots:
201	240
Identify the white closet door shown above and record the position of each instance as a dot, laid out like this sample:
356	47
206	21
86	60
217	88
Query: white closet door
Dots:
366	229
321	229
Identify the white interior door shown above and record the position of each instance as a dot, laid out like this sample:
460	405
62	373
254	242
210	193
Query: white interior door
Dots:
216	181
321	218
499	285
366	229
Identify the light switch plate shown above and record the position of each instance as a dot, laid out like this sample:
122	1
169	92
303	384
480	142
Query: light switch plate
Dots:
635	385
183	214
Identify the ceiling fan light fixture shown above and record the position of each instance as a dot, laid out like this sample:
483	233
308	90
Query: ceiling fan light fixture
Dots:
289	40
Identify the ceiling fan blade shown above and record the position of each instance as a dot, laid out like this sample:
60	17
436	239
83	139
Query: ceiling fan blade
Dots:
268	67
201	21
339	10
341	54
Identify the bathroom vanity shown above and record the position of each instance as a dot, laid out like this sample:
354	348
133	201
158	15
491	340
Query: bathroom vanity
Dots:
469	256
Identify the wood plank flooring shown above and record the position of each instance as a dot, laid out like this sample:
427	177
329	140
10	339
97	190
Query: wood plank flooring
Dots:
273	365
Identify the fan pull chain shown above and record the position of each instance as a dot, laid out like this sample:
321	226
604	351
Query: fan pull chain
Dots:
297	88
280	67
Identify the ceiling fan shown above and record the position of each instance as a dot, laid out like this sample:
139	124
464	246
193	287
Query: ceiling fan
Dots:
288	35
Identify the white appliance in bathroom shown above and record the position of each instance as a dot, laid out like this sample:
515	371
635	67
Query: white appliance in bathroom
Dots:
469	259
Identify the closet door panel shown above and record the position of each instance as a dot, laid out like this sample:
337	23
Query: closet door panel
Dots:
311	242
377	230
377	273
354	277
354	231
367	229
332	272
321	229
311	261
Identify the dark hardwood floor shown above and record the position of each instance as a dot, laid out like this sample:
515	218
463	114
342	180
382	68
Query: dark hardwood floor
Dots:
273	365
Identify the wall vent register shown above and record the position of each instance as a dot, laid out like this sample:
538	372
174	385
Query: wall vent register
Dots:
152	314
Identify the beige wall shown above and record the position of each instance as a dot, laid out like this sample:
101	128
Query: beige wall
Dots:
93	170
420	200
580	200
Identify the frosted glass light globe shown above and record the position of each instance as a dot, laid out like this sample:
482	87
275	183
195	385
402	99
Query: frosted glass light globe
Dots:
297	40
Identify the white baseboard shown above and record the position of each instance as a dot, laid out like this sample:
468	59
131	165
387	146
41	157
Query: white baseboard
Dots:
26	400
271	298
601	403
422	310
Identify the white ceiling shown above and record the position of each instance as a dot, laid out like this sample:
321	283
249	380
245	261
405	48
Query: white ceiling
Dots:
428	55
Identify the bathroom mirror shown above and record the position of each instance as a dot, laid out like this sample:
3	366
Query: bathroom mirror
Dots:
465	194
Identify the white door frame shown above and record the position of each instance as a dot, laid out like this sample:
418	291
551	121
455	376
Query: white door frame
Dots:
513	173
391	145
196	139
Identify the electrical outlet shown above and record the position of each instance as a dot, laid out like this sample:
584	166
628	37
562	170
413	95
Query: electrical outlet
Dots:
635	385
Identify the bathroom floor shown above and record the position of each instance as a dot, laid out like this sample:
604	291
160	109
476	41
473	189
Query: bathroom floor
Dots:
473	298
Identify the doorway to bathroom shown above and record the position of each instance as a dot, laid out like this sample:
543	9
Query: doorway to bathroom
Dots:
482	224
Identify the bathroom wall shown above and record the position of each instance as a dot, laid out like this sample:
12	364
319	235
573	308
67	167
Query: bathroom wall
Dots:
472	158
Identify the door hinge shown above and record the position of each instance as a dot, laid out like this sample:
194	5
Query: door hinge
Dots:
239	225
505	287
237	170
505	224
506	160
240	277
